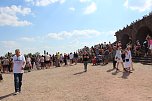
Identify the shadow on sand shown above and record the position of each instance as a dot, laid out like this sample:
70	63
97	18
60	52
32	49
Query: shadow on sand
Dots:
115	73
6	96
125	75
110	70
79	73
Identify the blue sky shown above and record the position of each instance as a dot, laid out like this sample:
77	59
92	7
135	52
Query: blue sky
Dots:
64	25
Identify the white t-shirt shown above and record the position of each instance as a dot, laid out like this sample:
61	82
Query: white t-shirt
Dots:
71	56
18	64
42	59
47	58
28	60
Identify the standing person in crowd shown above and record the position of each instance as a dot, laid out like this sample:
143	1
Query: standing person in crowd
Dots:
71	58
47	61
6	65
75	57
118	58
37	62
61	59
53	60
106	56
104	45
28	64
33	60
18	70
10	65
113	57
128	60
85	60
58	59
42	62
137	48
119	44
65	59
145	45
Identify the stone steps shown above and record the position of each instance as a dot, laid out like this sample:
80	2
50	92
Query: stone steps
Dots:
144	60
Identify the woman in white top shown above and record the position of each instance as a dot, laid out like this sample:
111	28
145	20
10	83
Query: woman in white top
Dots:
128	60
118	57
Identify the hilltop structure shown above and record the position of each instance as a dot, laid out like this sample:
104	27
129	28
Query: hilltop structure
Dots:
137	30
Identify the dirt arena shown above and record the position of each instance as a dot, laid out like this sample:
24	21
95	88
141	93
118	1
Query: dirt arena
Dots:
100	83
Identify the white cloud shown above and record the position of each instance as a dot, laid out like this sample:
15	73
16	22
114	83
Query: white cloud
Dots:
67	41
28	39
8	16
62	1
83	1
74	34
139	5
72	8
8	44
91	8
44	2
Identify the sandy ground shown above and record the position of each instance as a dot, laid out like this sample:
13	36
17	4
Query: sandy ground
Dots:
100	83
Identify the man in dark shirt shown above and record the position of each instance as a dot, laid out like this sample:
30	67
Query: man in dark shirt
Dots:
145	45
113	56
75	57
85	60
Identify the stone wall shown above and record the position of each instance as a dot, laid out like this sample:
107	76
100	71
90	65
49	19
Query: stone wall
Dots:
137	30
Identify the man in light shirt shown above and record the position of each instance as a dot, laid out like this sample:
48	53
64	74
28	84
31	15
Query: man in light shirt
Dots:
71	58
18	70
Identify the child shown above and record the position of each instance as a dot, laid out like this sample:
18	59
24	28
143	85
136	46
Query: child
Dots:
94	61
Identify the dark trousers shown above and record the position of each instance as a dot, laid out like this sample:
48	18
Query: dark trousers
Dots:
114	63
85	65
18	81
1	77
65	62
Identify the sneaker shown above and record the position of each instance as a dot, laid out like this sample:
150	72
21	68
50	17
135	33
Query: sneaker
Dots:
16	93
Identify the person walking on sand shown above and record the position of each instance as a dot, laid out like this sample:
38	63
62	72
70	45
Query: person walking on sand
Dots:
113	57
128	60
118	58
85	60
129	50
18	70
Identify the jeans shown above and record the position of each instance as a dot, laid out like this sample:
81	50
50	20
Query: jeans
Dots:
18	81
114	63
85	65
